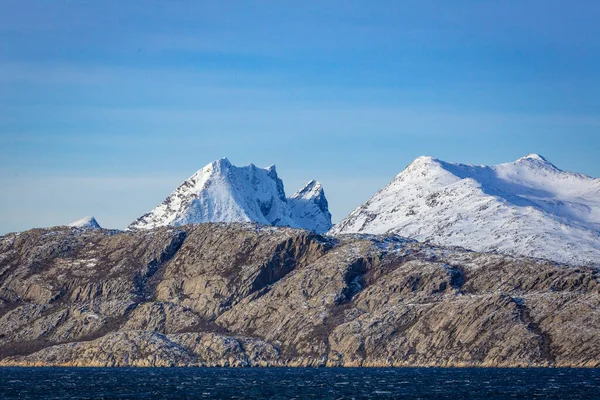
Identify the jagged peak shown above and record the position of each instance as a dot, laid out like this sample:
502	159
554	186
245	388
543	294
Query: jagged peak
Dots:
311	190
223	192
221	163
272	172
216	165
313	193
313	185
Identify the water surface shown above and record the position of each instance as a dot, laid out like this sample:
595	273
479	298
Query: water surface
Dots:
298	383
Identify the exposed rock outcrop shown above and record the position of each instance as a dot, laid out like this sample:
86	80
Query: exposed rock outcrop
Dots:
249	295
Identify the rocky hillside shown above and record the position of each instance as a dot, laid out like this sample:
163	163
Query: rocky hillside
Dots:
245	295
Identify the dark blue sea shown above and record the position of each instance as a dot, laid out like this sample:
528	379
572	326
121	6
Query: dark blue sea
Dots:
298	383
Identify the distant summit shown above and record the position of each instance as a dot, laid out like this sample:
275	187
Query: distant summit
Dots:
526	207
222	192
533	157
310	208
86	223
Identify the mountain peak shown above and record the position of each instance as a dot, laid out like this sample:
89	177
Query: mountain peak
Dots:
533	157
88	222
527	207
311	206
424	160
537	161
223	192
310	190
221	163
423	163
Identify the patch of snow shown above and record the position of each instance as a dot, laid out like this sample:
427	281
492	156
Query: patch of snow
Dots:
85	223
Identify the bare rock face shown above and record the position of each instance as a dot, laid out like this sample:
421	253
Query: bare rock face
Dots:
249	295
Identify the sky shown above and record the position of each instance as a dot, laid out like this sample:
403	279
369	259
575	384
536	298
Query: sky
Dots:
107	106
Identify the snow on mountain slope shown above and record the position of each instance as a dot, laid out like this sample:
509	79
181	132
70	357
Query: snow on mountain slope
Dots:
527	207
222	192
85	222
310	209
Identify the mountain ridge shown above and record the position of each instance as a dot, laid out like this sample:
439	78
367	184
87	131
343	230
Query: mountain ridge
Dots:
527	207
241	294
222	192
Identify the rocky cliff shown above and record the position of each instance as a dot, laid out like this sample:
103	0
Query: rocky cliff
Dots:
246	295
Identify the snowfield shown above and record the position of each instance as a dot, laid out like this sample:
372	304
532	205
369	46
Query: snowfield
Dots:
528	207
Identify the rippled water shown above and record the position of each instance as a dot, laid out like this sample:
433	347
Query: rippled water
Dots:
288	383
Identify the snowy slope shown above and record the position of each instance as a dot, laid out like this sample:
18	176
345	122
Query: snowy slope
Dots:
310	209
527	207
222	192
85	222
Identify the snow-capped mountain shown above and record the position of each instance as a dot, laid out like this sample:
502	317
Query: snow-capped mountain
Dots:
310	209
86	223
222	192
527	207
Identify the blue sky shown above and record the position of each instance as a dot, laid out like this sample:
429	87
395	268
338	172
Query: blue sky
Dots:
106	106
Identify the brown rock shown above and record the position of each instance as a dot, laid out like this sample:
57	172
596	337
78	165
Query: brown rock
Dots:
244	295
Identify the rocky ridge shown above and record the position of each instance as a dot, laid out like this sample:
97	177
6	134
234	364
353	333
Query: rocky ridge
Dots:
250	295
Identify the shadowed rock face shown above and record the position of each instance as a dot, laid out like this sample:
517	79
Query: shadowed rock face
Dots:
244	295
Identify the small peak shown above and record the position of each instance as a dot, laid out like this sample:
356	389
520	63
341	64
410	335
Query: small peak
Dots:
222	161
536	161
311	190
272	172
533	157
217	165
425	160
313	184
421	166
85	222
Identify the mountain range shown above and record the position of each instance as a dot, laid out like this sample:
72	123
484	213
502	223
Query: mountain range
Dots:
173	292
528	207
